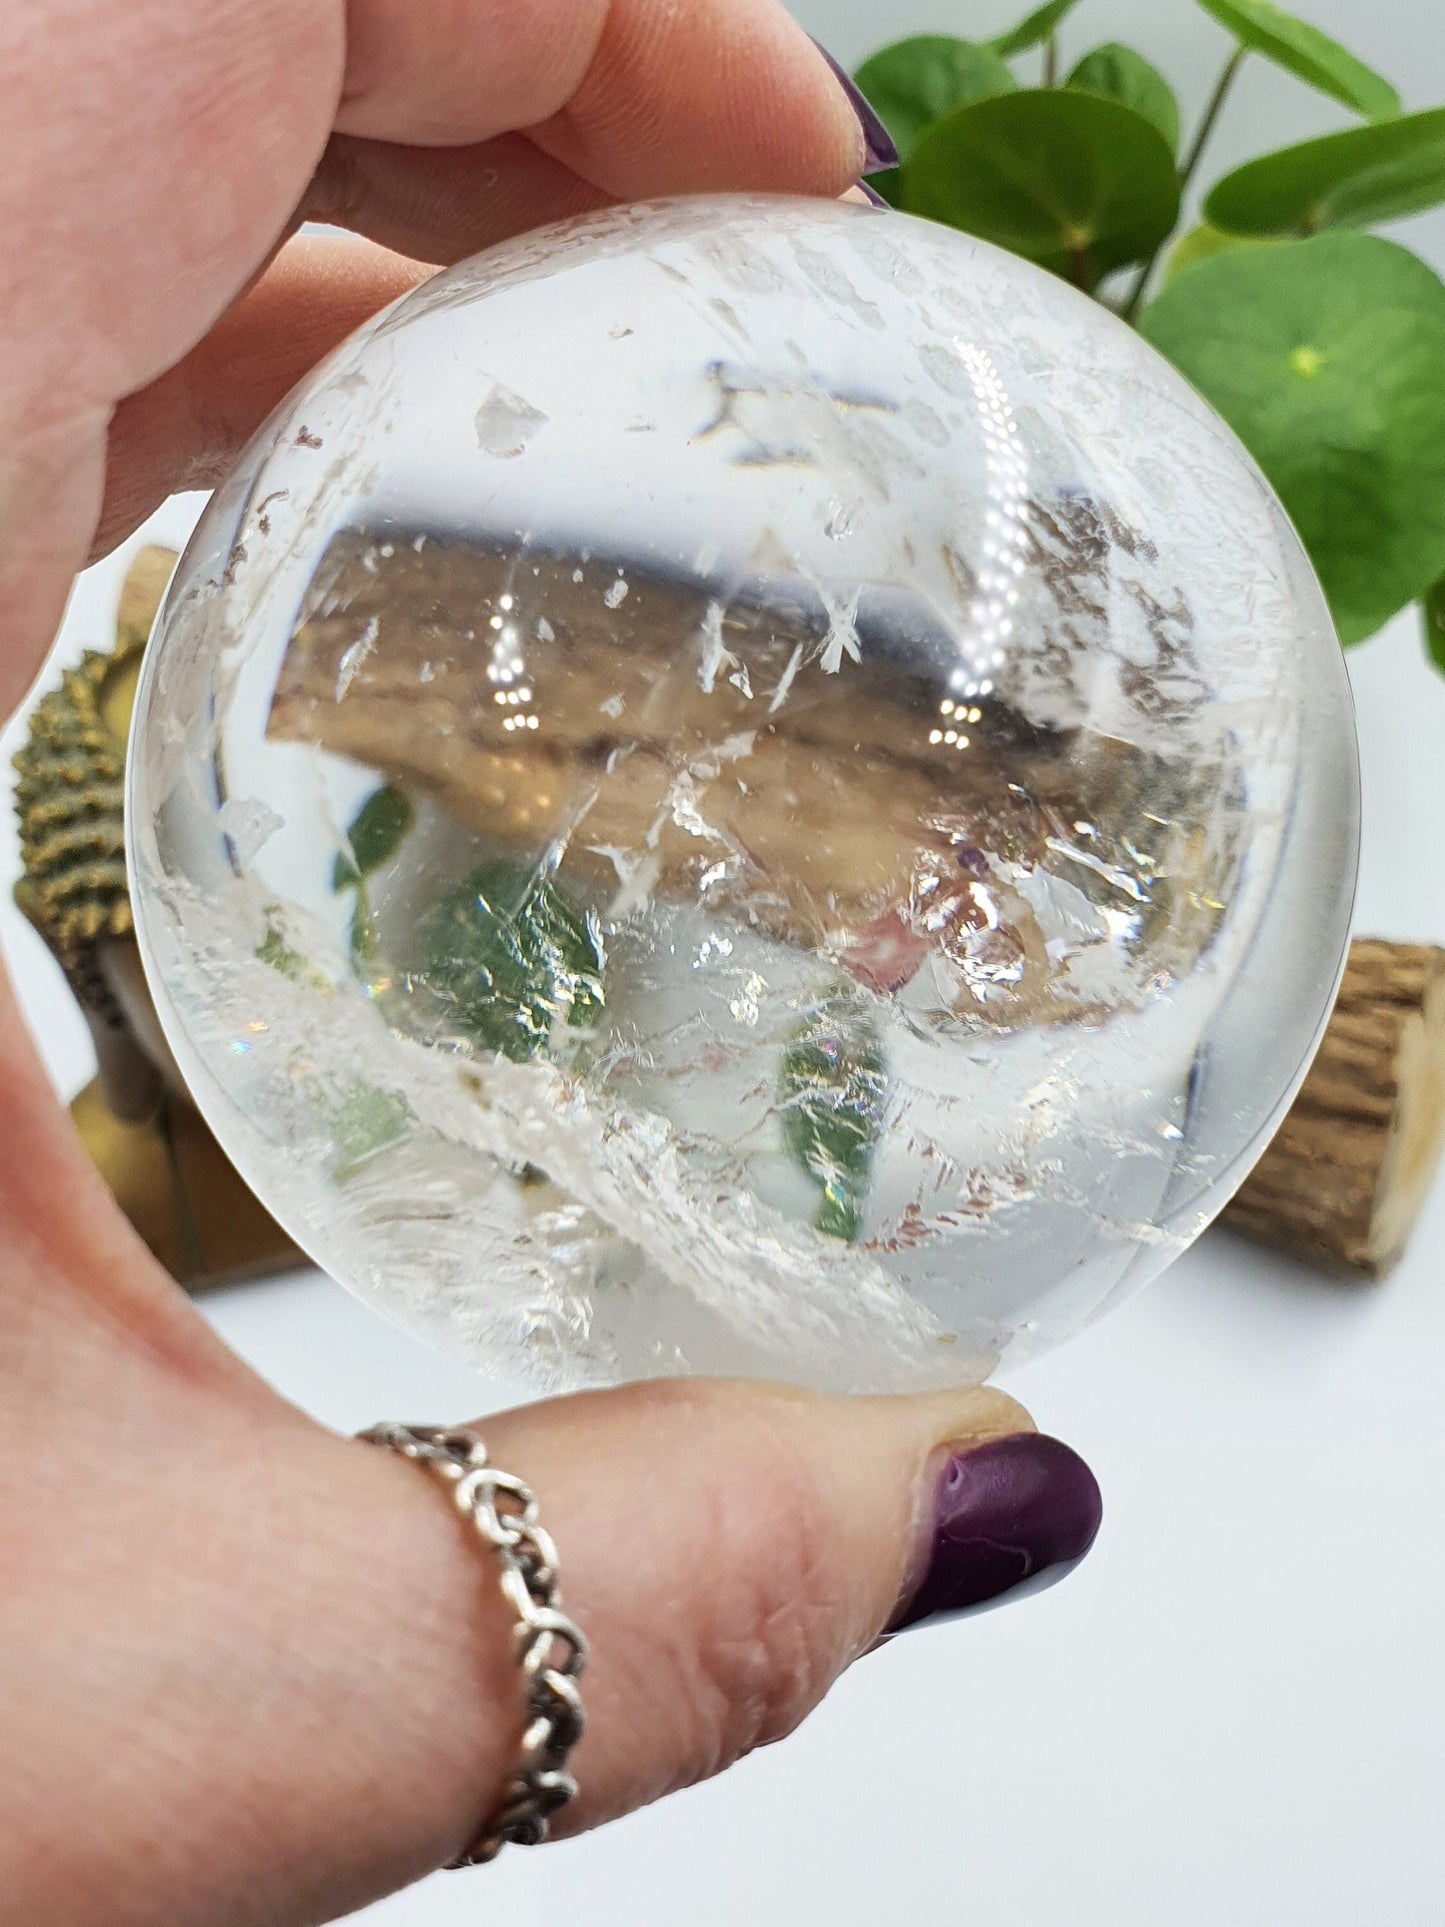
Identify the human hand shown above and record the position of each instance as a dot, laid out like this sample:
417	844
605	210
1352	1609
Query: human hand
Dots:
248	1671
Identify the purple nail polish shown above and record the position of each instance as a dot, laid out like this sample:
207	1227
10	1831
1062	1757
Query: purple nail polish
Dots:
872	194
878	147
1010	1517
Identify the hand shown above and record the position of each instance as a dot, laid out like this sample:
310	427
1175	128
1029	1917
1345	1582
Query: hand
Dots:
250	1671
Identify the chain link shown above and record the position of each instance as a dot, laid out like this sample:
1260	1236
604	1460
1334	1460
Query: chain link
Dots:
550	1648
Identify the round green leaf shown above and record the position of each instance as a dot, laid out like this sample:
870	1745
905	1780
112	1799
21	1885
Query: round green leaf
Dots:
1118	73
1326	358
1034	29
1075	182
1351	179
915	82
1202	243
1308	54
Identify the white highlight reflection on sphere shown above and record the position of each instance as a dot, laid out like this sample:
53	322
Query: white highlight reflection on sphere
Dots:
744	785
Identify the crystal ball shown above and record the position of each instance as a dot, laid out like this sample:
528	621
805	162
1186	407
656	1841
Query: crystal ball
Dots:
743	785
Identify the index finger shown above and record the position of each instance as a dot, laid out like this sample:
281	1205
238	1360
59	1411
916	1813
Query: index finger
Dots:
157	152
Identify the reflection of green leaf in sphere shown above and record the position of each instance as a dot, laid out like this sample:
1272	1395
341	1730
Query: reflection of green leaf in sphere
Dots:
1311	56
364	1122
273	949
833	1091
1325	357
376	832
1352	179
508	954
1118	73
1034	29
915	81
1073	181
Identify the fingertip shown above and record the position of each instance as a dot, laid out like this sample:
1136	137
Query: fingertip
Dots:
1003	1519
880	151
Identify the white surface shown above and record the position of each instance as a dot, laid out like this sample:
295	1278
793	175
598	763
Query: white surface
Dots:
1233	1712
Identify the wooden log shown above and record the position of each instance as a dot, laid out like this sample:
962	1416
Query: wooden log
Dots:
1345	1178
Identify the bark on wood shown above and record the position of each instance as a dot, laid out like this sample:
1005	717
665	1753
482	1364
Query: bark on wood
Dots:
1345	1178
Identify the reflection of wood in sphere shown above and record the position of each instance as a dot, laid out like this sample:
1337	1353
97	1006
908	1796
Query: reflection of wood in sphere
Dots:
718	753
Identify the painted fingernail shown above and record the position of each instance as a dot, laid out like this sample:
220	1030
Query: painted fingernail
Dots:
1009	1518
879	150
872	195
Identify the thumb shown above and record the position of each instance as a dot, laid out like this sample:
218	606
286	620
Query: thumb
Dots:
728	1548
305	1691
731	1548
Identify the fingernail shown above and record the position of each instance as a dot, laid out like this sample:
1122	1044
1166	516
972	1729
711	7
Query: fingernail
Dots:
878	148
872	195
1009	1518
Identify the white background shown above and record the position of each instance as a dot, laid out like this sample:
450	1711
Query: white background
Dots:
1234	1711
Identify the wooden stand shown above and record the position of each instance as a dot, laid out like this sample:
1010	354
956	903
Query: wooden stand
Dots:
1344	1180
173	1181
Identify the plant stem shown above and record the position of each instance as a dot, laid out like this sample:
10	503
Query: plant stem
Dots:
1130	306
1211	115
1189	167
1051	61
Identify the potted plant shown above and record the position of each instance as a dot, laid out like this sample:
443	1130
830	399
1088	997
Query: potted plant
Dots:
1320	343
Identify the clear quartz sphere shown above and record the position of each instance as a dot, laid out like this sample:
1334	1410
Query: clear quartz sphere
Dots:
746	786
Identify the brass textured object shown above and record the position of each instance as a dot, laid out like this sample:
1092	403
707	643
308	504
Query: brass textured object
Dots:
167	1171
69	793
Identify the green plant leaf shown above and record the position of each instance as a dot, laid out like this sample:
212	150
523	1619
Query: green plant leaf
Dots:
508	953
834	1090
1075	182
914	82
1202	243
1307	53
1432	611
1351	179
373	836
1118	73
1033	30
1325	357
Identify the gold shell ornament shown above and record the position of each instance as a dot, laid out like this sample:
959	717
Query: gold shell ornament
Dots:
137	1123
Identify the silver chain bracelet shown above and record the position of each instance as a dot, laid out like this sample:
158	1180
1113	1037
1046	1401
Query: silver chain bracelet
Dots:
551	1650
